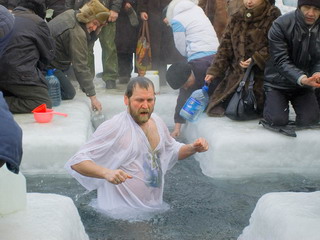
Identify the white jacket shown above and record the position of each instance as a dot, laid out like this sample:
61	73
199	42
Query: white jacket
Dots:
194	35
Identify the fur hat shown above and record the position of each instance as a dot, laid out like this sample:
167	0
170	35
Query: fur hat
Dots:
6	22
93	10
315	3
38	6
178	74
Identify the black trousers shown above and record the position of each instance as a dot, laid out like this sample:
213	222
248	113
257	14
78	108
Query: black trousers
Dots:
67	90
24	98
304	103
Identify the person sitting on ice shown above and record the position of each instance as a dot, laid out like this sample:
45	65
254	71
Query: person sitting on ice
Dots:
293	69
26	56
196	40
128	156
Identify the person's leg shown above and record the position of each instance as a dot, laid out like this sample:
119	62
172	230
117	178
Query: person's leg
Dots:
25	98
306	107
67	90
276	107
317	92
109	54
125	67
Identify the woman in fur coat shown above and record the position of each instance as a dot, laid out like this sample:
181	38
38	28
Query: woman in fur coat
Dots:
245	39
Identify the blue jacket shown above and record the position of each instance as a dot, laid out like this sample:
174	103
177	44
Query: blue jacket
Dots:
10	138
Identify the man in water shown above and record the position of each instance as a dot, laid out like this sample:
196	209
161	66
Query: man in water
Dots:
127	157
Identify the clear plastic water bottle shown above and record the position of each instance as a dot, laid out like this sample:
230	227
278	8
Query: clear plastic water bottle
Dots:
195	105
54	88
97	118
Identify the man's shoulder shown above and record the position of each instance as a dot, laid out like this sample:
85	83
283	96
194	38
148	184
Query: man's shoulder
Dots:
63	22
286	18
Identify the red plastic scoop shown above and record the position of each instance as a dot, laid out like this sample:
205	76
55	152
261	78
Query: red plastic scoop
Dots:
42	114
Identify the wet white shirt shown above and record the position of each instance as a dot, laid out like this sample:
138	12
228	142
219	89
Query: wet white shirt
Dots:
120	143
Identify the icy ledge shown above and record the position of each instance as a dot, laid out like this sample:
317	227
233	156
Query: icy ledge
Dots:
46	217
285	216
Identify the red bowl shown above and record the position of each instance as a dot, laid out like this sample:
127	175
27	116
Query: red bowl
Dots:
43	117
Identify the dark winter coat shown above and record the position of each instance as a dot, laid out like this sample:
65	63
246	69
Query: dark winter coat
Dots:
10	138
30	50
114	5
72	41
294	51
58	6
216	11
245	37
10	4
126	35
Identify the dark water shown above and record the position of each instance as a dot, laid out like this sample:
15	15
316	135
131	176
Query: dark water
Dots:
201	208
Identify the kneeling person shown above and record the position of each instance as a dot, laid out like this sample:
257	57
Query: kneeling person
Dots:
293	70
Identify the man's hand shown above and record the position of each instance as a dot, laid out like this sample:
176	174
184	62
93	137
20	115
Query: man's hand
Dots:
144	16
117	176
113	16
313	81
127	6
95	104
200	145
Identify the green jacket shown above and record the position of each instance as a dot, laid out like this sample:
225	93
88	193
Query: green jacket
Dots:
72	40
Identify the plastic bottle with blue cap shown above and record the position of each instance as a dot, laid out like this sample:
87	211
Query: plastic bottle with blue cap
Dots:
53	88
195	105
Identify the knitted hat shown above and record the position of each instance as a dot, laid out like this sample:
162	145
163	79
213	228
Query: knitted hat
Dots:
178	74
6	21
93	10
315	3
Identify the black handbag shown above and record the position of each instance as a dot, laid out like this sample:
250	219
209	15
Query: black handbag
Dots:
243	104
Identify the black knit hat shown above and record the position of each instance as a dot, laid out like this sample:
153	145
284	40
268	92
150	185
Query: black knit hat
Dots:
178	74
314	3
38	6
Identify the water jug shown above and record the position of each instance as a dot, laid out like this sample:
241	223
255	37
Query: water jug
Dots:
195	105
53	87
154	77
13	192
97	118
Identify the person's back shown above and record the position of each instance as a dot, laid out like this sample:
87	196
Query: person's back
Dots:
30	50
62	29
194	36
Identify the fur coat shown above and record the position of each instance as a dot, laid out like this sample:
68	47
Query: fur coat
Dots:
246	36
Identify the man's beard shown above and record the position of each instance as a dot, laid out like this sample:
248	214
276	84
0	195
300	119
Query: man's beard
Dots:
141	116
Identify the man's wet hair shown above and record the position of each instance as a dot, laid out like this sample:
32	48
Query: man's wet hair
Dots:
142	82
